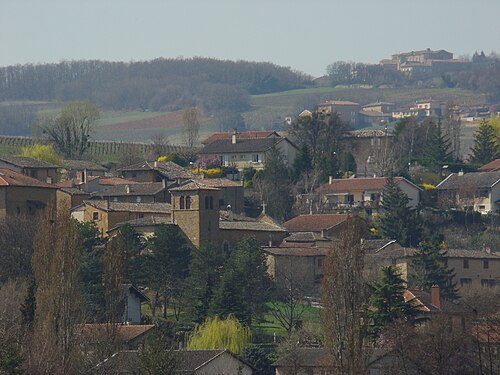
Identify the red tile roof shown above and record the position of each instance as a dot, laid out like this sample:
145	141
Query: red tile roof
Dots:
492	166
243	135
314	223
10	178
124	332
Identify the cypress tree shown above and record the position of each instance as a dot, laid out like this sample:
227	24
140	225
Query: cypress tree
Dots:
398	220
486	145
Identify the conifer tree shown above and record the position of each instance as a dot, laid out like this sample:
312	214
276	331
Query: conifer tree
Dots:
399	221
486	144
430	269
388	300
439	149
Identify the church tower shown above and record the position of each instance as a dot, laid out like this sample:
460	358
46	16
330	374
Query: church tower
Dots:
195	209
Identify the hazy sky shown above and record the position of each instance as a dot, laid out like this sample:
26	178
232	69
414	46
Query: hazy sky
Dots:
306	35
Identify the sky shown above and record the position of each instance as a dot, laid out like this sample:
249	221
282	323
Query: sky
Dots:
306	35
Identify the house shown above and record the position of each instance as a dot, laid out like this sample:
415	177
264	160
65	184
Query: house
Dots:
107	215
192	362
156	171
70	197
80	170
23	195
348	111
241	153
325	225
133	299
241	135
373	118
149	192
365	146
34	168
492	166
363	192
383	107
477	191
130	336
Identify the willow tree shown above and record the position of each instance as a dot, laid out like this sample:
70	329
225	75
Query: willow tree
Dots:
56	264
216	333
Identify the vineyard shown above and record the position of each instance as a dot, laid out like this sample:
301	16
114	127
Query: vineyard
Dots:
101	150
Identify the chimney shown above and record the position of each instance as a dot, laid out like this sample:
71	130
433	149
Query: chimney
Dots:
155	164
85	176
436	296
233	137
461	172
163	183
127	189
330	179
270	243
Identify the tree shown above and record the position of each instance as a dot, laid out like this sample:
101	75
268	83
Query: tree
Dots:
205	272
71	130
42	152
345	301
486	144
388	301
398	220
452	127
191	126
167	264
157	356
439	150
430	269
216	333
258	358
56	264
245	285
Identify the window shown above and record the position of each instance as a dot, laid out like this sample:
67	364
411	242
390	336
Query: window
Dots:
221	204
349	198
466	263
115	199
255	158
211	202
138	199
95	215
140	215
488	283
33	173
188	202
206	203
465	282
134	174
181	203
486	264
320	263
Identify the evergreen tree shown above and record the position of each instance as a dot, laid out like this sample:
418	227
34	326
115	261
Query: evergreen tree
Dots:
388	300
302	162
258	358
398	221
430	269
486	144
205	272
168	263
244	286
439	150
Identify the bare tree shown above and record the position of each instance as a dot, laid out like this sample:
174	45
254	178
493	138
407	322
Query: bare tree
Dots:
345	301
160	143
71	130
452	127
191	126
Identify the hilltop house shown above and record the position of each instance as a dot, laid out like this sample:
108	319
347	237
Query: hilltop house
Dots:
23	195
241	153
38	169
348	111
363	192
325	225
478	191
155	171
149	192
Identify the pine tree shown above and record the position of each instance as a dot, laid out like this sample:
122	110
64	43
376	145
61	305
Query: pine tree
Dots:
388	300
430	269
205	272
439	149
398	221
486	144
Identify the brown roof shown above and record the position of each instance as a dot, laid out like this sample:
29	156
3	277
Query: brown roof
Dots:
216	182
345	185
168	169
224	146
124	332
81	165
486	333
314	223
147	221
193	185
10	178
297	251
142	189
492	166
249	225
130	207
25	162
472	180
115	181
242	135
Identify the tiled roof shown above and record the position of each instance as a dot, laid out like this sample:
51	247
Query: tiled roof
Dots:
9	177
216	182
374	114
377	104
249	225
145	222
24	162
464	253
242	135
472	180
193	185
492	166
80	165
124	332
364	133
224	146
314	223
169	169
74	191
302	237
130	207
345	185
423	302
112	181
372	246
297	251
148	188
338	102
